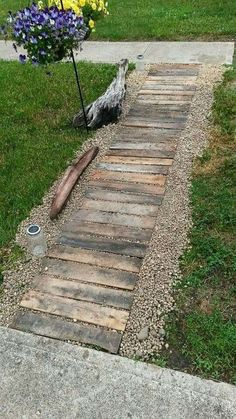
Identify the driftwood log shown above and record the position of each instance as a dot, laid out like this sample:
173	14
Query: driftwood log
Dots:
69	180
108	107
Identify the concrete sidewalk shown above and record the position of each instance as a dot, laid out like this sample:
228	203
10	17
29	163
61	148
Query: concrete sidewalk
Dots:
52	379
151	52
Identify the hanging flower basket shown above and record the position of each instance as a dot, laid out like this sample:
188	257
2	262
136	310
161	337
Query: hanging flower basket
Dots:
50	33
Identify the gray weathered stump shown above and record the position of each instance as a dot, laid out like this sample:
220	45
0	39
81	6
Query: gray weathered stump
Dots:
108	107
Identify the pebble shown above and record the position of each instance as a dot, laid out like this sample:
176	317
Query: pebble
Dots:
143	334
162	333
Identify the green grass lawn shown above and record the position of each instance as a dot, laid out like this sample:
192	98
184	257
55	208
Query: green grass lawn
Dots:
36	136
160	19
202	332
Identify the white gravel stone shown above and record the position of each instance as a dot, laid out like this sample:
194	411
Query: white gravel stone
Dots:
143	334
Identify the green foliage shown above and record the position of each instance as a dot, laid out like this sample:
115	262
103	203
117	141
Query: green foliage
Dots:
224	109
168	19
159	19
211	343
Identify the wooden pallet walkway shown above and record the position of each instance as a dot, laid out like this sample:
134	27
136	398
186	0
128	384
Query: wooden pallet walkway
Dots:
86	292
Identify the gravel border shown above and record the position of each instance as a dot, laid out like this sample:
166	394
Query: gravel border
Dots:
18	280
145	334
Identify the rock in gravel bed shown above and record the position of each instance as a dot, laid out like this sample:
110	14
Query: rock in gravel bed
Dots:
143	334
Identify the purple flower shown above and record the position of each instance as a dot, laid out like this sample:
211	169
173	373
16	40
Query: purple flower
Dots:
47	35
22	58
33	40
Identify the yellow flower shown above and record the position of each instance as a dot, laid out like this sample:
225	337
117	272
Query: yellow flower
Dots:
94	6
91	24
82	3
40	4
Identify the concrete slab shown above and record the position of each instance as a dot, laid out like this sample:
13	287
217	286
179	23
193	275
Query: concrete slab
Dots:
112	52
50	379
190	52
153	52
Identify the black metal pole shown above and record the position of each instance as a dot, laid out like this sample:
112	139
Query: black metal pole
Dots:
77	81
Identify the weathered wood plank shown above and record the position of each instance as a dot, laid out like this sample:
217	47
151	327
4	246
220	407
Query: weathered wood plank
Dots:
170	141
84	292
156	116
171	79
128	187
130	152
133	122
57	328
71	176
173	93
89	273
115	218
121	207
137	160
174	72
107	230
133	168
103	194
130	177
145	132
141	146
103	244
104	260
168	100
79	310
173	87
159	109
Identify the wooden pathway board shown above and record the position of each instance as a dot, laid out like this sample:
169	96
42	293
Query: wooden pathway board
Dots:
108	230
105	260
158	140
163	100
151	115
141	146
115	218
128	187
137	160
133	168
121	207
170	87
132	122
146	133
103	244
102	194
90	274
159	180
84	292
167	79
61	329
120	150
79	310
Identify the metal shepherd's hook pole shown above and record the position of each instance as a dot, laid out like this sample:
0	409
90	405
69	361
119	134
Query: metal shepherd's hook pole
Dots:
77	80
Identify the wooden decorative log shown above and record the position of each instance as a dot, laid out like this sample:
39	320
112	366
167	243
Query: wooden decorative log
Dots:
69	180
108	107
